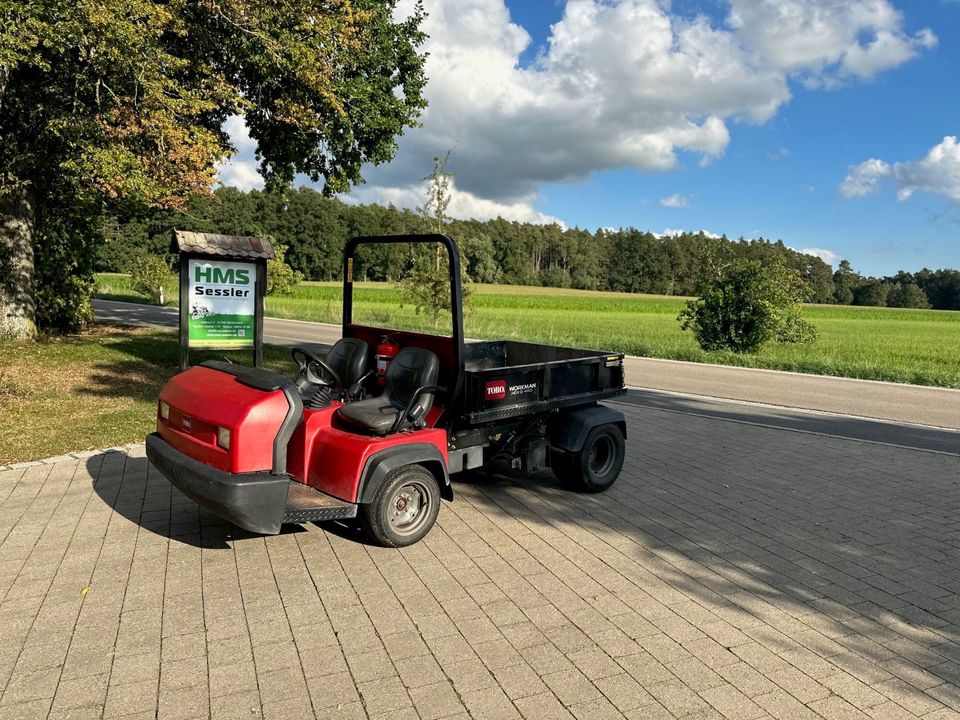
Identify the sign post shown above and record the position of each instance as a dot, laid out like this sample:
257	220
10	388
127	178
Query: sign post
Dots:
223	280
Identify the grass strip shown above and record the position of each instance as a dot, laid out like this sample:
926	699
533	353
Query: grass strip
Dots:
92	390
909	346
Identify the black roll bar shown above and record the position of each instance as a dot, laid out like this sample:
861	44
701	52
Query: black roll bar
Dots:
456	291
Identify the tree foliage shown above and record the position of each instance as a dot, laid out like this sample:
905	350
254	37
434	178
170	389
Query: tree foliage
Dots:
425	283
281	278
314	229
150	275
746	305
113	106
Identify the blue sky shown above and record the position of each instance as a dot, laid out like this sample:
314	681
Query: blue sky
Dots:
743	117
781	179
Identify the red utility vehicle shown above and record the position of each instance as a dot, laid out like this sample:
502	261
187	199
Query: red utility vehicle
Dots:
339	442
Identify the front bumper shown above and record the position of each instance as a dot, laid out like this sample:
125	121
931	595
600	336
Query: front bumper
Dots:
259	502
252	501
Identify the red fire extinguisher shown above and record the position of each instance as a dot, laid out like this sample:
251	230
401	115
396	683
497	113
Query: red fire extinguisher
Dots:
386	351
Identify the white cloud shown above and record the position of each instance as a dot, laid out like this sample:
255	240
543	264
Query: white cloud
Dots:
674	201
827	41
938	172
463	205
618	84
241	174
779	154
673	232
864	179
828	256
240	171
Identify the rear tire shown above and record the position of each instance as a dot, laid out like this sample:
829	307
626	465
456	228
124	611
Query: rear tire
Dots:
404	507
597	466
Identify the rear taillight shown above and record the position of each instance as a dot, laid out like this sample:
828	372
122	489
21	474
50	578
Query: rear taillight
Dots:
164	410
223	437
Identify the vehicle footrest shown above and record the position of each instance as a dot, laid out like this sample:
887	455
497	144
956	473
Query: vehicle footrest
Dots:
305	504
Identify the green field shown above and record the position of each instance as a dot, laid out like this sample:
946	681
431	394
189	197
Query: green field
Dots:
913	346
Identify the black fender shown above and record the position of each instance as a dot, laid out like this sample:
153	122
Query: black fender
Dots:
569	429
385	461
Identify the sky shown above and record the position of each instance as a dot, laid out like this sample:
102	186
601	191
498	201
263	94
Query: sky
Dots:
829	124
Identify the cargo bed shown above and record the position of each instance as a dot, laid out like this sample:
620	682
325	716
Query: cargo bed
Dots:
505	379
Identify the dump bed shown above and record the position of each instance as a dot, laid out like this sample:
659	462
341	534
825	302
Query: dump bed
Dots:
505	379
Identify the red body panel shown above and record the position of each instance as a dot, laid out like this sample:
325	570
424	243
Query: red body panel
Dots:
337	457
301	444
332	459
201	399
319	454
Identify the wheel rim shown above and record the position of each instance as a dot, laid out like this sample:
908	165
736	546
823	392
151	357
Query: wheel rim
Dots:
409	508
600	460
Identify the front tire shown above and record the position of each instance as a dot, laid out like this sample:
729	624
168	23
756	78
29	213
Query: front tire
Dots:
597	465
404	507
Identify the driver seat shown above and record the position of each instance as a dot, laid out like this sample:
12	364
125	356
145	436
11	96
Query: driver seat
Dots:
348	359
407	396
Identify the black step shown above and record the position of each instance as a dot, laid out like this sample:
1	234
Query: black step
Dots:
305	504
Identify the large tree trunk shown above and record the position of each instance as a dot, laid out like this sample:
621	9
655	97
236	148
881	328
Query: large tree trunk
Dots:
16	266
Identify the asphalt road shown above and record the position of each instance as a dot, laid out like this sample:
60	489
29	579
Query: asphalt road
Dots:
899	403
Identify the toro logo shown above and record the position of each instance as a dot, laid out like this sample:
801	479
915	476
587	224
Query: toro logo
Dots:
496	390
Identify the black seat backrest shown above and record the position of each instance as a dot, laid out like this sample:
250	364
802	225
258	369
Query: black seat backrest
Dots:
348	359
411	369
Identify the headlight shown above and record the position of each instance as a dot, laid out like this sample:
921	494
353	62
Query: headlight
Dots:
223	437
164	410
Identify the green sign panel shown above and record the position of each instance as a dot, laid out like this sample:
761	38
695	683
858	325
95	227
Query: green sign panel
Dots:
222	299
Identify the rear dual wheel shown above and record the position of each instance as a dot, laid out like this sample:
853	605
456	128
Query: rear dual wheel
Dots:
597	465
403	509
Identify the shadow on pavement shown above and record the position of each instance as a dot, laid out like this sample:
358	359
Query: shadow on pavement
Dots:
812	545
138	492
822	545
881	431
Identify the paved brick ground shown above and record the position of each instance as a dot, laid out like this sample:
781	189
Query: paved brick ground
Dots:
735	571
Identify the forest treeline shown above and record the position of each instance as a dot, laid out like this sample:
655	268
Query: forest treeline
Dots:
314	229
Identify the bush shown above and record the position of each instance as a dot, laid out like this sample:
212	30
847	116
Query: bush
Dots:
746	305
63	276
149	274
281	278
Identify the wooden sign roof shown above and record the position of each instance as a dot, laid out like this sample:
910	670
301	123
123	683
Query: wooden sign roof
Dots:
239	246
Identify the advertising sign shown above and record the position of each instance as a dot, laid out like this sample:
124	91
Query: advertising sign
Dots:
222	303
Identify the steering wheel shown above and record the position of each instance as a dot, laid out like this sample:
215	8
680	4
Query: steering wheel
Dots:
306	361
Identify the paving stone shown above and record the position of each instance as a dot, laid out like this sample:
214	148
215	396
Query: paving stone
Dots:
624	692
384	695
571	686
727	574
731	703
438	700
469	675
332	690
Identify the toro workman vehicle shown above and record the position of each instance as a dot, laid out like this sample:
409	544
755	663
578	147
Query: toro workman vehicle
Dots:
375	429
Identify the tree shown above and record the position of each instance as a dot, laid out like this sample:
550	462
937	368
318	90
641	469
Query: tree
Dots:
150	273
745	305
642	263
907	295
872	293
845	283
426	286
118	105
281	278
